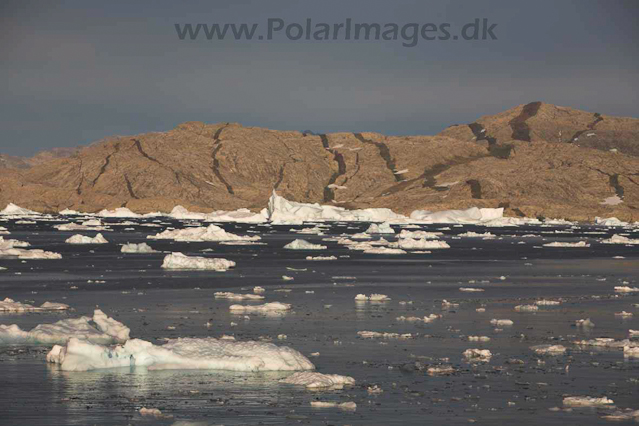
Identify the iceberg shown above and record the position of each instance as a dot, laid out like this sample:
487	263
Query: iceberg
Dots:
313	380
303	245
472	215
180	261
98	329
137	248
209	233
81	239
14	210
10	305
182	353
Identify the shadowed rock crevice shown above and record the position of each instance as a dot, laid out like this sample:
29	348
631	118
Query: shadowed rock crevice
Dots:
216	170
138	145
521	131
329	193
107	161
475	188
384	152
129	187
280	176
614	182
481	134
590	126
217	143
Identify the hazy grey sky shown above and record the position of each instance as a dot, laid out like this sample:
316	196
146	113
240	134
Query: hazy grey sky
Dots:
81	70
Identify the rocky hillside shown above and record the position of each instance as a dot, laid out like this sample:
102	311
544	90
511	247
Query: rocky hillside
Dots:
536	160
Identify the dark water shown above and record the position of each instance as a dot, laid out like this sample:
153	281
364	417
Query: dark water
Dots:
148	300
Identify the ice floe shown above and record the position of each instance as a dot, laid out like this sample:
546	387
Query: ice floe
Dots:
236	296
477	355
183	353
549	349
501	322
180	261
579	244
266	308
303	245
321	258
620	239
82	239
586	401
380	228
372	298
10	305
346	406
209	233
98	329
137	248
314	380
383	335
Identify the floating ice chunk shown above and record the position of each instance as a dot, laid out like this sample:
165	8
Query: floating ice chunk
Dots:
585	323
426	319
376	335
471	215
620	239
544	302
383	250
240	215
626	289
447	305
137	248
209	233
82	239
633	332
620	415
372	298
180	261
118	212
29	254
313	380
607	342
347	406
153	412
471	234
272	307
321	258
380	228
631	352
526	308
184	353
623	314
303	245
477	355
421	244
106	330
586	401
579	244
418	235
478	338
440	371
258	290
235	296
14	210
471	289
501	322
610	221
549	349
280	210
9	305
287	278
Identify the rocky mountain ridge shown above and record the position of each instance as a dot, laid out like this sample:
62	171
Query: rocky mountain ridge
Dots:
535	160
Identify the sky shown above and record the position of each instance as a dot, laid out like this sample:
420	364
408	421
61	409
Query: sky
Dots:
74	72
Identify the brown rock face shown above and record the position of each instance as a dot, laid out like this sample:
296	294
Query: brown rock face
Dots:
535	160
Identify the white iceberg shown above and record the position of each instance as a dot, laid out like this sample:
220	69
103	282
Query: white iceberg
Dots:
82	239
98	329
181	261
235	296
266	308
472	215
209	233
184	353
303	245
10	305
137	248
313	380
